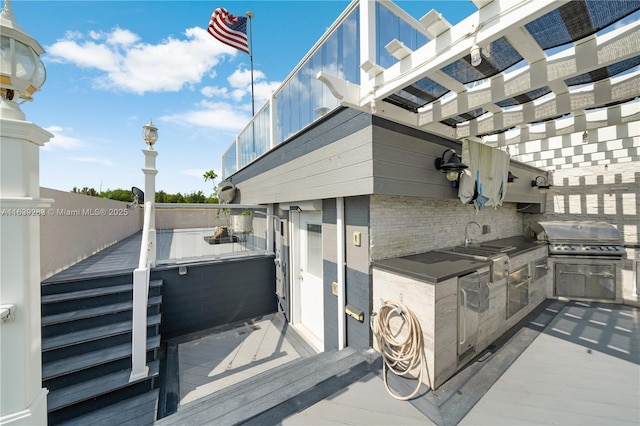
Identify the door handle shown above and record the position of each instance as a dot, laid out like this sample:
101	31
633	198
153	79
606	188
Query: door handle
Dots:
603	274
571	273
464	317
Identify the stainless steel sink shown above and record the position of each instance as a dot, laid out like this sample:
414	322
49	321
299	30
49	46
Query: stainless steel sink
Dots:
499	247
474	250
499	259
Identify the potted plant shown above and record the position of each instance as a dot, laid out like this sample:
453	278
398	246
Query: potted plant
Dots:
243	222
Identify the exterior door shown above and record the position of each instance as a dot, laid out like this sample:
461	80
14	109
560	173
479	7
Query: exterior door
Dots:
281	260
311	306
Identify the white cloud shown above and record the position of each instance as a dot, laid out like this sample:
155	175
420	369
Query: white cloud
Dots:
241	78
211	91
130	65
216	115
61	140
263	90
240	81
122	37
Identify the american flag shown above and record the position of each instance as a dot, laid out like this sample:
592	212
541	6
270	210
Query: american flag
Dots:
229	29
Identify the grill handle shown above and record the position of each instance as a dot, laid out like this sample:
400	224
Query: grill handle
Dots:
602	274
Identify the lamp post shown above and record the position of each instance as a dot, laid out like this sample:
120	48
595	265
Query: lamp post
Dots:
150	136
139	369
23	400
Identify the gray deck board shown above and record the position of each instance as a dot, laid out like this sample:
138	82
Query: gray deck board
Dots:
573	373
136	411
92	388
122	256
545	373
91	359
94	292
74	338
91	312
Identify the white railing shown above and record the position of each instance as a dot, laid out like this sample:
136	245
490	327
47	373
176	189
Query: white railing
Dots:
139	369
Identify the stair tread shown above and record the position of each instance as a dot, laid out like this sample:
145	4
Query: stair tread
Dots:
93	292
139	411
91	359
95	333
93	312
86	390
251	397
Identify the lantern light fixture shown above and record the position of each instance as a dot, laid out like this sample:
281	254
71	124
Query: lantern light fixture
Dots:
476	58
450	164
22	72
541	183
150	134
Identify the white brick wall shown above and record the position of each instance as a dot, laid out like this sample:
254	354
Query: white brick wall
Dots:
406	225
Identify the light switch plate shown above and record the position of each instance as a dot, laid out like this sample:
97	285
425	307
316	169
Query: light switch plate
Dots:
356	238
334	288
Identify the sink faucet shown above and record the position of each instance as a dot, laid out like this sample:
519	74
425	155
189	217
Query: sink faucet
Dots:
467	240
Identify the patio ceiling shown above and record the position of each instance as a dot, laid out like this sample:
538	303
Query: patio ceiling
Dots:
542	60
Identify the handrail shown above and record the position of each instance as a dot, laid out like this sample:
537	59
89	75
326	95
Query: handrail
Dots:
144	246
139	369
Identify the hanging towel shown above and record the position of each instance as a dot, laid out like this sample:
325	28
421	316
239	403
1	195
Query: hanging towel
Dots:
500	174
484	183
484	177
467	188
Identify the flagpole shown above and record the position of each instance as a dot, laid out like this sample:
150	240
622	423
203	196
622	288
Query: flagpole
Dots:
250	16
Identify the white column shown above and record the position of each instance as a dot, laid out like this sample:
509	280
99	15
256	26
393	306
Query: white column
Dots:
150	173
367	42
341	262
23	400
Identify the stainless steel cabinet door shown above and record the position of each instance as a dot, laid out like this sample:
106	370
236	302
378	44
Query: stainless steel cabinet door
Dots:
468	307
570	280
518	290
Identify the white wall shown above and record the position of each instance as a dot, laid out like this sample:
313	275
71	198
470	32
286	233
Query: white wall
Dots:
594	181
77	226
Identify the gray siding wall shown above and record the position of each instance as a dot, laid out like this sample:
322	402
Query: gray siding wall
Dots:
215	294
404	164
331	159
357	280
352	153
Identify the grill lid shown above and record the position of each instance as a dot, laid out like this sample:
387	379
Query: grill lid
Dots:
578	231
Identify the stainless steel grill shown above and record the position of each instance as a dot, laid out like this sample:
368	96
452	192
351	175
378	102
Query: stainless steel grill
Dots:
585	258
581	239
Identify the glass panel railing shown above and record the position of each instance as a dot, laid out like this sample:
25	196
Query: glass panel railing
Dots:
193	232
302	98
389	27
229	163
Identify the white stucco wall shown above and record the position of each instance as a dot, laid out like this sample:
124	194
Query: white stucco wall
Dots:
77	226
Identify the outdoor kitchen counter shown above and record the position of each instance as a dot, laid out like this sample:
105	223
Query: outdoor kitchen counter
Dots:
521	243
432	266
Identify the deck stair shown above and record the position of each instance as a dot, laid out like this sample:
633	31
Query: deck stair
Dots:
86	351
272	395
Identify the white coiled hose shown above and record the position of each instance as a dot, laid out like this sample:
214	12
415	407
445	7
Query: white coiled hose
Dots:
399	356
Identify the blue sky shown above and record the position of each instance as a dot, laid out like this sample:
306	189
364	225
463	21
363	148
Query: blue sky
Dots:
112	65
